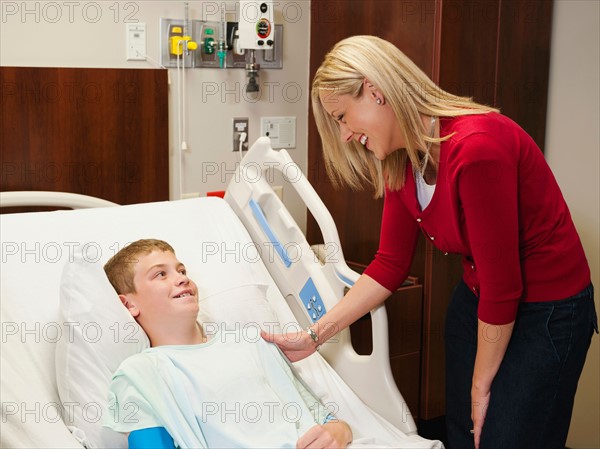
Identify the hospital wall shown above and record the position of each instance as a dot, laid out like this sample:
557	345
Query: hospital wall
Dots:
93	34
572	147
216	96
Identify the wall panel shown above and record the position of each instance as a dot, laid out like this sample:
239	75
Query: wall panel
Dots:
99	132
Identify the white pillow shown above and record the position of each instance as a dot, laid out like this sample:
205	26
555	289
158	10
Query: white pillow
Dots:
102	334
240	307
99	334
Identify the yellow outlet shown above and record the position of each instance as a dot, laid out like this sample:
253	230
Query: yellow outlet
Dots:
175	37
176	45
178	42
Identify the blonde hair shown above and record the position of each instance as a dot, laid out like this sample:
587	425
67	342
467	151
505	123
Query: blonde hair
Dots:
120	267
405	87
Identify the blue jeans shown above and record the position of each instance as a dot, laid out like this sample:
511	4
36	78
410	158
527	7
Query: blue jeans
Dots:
532	394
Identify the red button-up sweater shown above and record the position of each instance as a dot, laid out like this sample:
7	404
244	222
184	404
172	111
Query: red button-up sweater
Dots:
497	203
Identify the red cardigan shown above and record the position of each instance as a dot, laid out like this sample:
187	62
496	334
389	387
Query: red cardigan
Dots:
497	203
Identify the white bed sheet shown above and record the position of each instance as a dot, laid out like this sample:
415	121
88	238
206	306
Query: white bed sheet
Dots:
218	253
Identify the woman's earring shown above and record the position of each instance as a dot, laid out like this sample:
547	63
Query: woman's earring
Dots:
378	101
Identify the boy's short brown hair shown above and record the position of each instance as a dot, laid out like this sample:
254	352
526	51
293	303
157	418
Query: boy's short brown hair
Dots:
119	268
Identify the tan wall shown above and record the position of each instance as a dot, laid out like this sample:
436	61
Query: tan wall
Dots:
572	150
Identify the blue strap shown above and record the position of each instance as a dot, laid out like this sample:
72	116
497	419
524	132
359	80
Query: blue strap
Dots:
150	438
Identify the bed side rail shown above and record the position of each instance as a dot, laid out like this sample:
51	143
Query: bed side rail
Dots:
309	286
51	199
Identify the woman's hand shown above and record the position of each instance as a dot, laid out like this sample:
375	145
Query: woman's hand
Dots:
295	345
365	295
492	342
479	404
334	434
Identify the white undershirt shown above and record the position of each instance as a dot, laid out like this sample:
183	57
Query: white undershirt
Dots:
424	190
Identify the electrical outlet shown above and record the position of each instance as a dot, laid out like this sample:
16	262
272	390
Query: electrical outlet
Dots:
240	125
136	41
281	131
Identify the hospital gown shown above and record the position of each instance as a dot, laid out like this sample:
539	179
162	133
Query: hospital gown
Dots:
234	391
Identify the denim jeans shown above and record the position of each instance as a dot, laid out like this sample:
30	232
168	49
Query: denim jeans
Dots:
532	394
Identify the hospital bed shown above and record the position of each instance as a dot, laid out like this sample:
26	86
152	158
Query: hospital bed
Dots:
64	331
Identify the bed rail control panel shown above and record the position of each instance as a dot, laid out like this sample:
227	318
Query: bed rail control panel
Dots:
264	224
312	300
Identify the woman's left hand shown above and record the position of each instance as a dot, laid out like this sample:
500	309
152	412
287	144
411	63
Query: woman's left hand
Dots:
492	342
479	404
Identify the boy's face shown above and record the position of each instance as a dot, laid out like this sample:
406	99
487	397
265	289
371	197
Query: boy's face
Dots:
163	289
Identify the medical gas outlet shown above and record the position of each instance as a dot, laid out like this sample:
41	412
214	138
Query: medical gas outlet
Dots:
178	43
252	43
256	31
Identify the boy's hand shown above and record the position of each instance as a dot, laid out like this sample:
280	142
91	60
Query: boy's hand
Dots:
333	435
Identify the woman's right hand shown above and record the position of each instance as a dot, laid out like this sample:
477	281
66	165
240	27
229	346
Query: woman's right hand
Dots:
295	345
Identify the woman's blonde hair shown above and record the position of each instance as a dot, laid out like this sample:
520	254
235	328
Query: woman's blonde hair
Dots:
405	88
120	267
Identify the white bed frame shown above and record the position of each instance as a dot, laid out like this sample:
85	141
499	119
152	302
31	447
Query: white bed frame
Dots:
51	199
301	278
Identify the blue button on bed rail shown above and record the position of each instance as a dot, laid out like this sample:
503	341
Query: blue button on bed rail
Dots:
312	300
264	224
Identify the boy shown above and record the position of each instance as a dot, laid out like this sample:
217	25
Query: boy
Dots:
190	391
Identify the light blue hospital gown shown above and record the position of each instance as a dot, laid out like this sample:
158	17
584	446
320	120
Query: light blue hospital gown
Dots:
234	391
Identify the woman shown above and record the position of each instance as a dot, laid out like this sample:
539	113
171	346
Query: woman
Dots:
520	322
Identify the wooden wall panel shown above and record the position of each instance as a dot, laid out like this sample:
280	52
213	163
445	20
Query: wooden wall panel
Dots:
99	132
498	52
468	49
523	75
